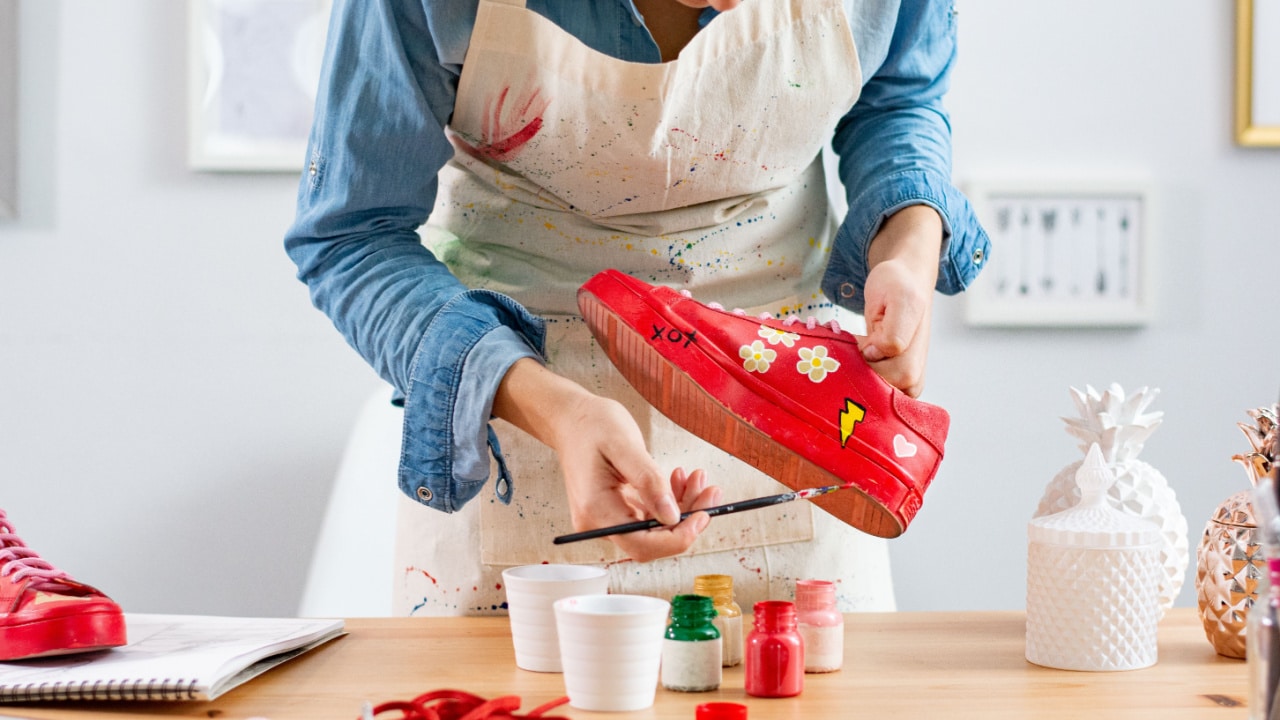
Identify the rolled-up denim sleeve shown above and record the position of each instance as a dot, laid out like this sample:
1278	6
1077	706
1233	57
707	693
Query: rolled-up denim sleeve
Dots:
376	145
455	374
894	149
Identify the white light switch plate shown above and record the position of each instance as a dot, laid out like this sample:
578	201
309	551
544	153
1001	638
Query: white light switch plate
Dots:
1063	255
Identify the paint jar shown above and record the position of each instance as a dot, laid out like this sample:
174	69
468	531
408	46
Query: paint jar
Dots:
774	654
728	615
721	711
821	625
691	648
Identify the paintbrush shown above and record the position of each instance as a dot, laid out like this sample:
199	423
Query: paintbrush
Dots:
726	509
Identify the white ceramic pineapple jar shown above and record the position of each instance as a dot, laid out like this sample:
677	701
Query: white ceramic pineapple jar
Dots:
1093	582
1119	423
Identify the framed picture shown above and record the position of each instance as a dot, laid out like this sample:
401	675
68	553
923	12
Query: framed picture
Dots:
8	108
1063	255
254	66
1258	72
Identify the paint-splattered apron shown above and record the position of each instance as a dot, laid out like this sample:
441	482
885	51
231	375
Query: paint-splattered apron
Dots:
703	173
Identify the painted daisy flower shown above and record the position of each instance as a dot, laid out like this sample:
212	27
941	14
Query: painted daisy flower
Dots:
816	364
756	357
775	336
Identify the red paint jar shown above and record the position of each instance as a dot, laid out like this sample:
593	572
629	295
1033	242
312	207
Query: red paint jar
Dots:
721	711
774	653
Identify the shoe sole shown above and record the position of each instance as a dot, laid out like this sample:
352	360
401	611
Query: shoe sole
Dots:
676	395
73	633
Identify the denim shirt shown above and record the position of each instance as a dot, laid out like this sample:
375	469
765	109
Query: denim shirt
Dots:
386	92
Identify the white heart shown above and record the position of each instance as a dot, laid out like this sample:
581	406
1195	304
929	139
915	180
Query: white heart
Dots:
903	447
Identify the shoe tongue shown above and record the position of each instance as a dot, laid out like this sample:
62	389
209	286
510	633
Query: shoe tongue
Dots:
52	593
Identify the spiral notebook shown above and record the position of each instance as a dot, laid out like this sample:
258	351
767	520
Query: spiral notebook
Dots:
168	657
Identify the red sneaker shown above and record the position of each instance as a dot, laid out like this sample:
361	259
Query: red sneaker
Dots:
45	612
792	398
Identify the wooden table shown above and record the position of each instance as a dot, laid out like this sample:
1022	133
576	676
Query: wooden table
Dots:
897	665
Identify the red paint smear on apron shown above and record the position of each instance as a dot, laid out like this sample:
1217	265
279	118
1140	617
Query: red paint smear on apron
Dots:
501	143
507	148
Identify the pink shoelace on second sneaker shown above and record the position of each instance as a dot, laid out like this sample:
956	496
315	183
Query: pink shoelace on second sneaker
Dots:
17	561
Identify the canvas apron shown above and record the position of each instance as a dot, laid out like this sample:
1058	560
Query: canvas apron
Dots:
703	173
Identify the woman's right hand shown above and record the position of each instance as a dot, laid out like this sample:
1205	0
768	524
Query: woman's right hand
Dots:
609	476
899	296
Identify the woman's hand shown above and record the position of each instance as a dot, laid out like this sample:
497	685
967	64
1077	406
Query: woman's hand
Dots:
609	475
899	296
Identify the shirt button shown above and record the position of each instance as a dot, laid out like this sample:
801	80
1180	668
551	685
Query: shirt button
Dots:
847	290
977	256
424	494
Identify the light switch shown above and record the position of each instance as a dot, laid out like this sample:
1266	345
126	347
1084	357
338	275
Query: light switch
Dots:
1062	256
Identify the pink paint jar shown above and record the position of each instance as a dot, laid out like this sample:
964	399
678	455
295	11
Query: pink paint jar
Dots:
821	625
774	653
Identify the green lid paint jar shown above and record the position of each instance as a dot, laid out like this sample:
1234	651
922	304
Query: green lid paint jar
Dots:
691	650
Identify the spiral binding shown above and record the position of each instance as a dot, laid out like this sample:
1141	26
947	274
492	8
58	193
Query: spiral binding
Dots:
116	689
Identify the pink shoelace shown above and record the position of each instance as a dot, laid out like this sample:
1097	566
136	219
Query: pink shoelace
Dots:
809	322
459	705
17	561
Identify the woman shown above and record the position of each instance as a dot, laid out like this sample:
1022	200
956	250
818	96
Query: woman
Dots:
674	142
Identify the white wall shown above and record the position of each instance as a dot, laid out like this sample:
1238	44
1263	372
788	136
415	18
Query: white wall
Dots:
1095	89
172	410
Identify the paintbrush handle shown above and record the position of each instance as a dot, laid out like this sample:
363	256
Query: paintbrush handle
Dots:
726	509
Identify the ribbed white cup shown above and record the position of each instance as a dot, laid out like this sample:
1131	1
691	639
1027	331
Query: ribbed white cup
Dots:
531	591
611	647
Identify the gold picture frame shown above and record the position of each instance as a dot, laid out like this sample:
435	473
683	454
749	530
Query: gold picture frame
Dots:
1258	73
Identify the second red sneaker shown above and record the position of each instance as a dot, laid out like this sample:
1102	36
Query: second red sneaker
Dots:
792	398
45	612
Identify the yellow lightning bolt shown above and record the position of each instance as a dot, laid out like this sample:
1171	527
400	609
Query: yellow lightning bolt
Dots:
851	415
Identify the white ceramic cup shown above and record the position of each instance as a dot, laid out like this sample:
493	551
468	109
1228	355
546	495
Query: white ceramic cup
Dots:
531	590
611	647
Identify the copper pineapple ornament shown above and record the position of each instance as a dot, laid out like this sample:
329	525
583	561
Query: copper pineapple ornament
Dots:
1230	559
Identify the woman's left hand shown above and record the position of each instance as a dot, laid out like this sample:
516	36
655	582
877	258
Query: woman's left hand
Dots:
899	296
